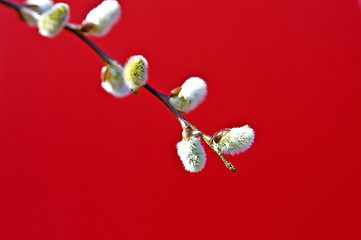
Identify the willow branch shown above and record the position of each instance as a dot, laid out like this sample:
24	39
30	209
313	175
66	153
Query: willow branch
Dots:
75	29
107	59
184	122
13	5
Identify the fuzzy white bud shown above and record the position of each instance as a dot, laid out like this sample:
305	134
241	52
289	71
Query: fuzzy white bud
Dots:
103	17
192	93
236	140
112	81
192	154
135	72
52	21
39	6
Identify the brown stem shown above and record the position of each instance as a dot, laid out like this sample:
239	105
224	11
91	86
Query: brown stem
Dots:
76	29
13	5
164	99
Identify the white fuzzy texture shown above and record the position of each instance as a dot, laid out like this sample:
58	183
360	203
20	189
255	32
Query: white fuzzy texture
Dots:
135	72
192	154
237	140
104	16
193	92
113	83
39	5
52	21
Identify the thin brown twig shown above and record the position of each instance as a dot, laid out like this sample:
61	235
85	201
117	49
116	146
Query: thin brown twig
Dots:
107	59
13	5
164	98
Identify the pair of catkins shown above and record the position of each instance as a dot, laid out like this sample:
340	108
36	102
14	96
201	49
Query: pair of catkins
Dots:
52	18
120	82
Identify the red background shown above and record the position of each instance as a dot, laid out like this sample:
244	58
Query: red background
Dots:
77	163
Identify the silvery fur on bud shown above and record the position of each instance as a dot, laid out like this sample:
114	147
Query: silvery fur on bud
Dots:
103	17
192	154
52	21
113	82
135	72
192	93
236	140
